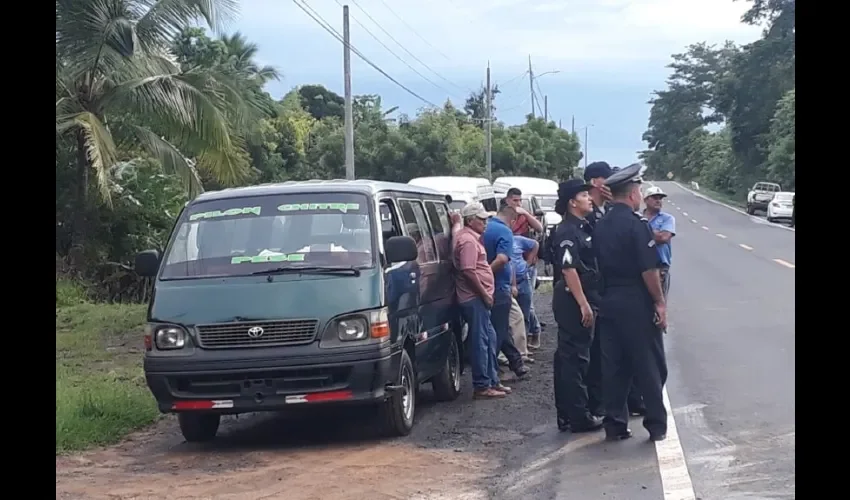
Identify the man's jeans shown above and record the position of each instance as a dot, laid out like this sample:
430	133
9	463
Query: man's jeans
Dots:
500	316
523	298
482	344
533	325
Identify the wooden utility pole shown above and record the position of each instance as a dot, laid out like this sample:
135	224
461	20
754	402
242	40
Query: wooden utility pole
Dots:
349	113
546	108
585	146
573	126
531	85
489	118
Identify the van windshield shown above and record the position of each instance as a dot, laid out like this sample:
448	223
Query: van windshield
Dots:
240	236
547	203
457	204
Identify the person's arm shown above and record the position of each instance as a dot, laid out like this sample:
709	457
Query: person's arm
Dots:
532	221
457	222
531	252
504	247
467	255
644	247
568	255
667	230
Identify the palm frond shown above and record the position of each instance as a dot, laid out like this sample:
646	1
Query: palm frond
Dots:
165	18
172	161
100	148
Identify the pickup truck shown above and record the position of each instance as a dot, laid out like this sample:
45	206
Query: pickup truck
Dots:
760	196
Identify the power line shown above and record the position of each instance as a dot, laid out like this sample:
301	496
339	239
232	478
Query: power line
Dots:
411	54
394	54
327	27
413	30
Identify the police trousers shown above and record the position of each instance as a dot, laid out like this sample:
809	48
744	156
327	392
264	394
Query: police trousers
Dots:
632	349
572	356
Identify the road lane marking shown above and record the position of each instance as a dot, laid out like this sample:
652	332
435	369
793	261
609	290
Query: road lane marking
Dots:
784	263
675	478
745	247
694	221
752	217
685	214
678	208
721	236
705	228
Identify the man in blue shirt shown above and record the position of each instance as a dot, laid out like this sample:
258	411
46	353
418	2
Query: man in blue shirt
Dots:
663	227
498	241
523	257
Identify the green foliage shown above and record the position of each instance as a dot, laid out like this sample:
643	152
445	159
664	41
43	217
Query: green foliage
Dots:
748	91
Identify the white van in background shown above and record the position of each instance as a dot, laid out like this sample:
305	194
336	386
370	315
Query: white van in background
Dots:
463	190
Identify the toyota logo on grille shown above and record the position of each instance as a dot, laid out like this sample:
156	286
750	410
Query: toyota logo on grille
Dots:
255	332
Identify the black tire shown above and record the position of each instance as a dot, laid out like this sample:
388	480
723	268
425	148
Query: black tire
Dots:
750	210
771	219
198	427
396	417
446	384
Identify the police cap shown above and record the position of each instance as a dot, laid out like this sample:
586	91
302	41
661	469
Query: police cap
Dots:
627	175
571	188
597	169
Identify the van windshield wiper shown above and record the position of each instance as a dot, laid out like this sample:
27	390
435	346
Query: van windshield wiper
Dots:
343	270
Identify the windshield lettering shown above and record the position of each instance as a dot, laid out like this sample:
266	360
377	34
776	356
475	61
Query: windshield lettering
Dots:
226	213
341	207
261	259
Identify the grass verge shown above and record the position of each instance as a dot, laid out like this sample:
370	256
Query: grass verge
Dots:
100	389
735	201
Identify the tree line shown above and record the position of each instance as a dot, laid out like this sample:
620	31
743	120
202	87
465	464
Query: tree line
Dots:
727	116
151	110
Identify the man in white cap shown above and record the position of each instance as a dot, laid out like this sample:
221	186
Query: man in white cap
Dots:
663	227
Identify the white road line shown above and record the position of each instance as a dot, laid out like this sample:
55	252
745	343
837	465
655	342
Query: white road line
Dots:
705	228
745	247
722	236
752	217
783	263
685	214
678	208
675	478
694	221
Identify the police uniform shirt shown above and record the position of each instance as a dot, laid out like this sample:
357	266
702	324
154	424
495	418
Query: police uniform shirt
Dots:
574	250
596	214
625	247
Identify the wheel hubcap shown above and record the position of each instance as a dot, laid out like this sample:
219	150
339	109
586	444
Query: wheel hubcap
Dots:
454	370
407	398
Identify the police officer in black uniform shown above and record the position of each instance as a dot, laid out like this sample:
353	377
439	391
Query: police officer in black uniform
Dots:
595	176
577	286
632	312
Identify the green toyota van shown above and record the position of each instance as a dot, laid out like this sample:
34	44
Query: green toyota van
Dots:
301	294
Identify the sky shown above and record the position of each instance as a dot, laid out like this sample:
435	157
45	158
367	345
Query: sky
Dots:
597	61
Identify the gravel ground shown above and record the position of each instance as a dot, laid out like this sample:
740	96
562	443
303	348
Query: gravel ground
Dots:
460	450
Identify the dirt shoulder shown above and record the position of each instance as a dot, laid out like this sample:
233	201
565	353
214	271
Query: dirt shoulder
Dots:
456	451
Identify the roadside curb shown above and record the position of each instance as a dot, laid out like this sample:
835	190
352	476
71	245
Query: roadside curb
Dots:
730	207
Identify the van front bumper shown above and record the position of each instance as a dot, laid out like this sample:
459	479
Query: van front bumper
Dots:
255	385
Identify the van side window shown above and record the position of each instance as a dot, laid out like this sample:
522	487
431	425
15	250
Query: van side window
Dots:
417	228
490	204
438	216
389	221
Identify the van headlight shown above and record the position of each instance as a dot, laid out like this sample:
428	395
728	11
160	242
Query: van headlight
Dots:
169	337
352	329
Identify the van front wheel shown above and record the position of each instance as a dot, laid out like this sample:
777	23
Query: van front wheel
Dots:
398	412
198	427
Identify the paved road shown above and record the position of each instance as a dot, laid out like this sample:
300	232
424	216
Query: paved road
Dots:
731	388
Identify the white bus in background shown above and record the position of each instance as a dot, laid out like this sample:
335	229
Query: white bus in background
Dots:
545	191
463	190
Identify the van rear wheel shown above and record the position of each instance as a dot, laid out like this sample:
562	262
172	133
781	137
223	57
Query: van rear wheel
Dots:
399	411
198	427
446	384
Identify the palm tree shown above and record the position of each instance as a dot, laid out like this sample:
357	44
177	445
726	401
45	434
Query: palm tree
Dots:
118	89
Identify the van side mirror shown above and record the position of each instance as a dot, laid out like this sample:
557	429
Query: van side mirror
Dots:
449	199
147	263
400	249
539	213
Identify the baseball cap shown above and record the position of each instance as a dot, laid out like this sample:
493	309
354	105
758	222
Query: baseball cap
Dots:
598	169
653	191
474	210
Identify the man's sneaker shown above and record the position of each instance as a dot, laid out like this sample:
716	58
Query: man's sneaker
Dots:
522	372
503	388
489	393
590	424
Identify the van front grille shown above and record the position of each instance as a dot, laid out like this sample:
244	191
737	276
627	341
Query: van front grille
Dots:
257	333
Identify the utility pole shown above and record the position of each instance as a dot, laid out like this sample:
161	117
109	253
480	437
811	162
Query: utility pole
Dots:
489	115
559	123
546	108
573	127
531	85
349	118
585	146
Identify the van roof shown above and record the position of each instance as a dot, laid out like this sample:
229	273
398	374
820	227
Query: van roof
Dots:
365	186
457	183
534	185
